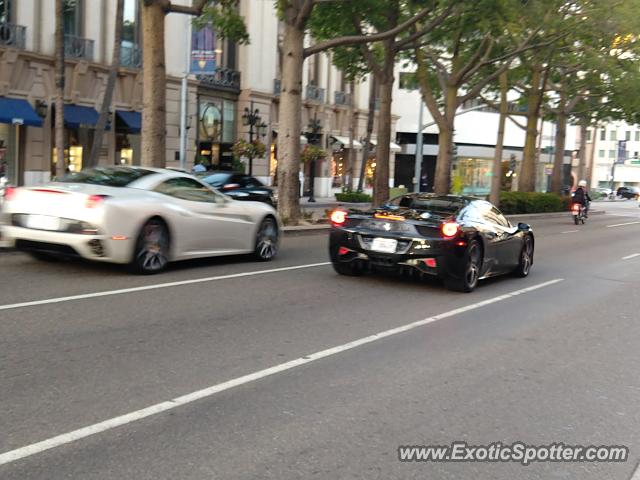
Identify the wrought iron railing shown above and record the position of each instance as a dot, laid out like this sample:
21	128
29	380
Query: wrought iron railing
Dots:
130	55
314	93
12	35
78	47
223	78
342	98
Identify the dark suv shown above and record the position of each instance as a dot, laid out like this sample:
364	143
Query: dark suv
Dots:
628	192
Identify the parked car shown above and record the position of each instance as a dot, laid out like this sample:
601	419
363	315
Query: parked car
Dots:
145	217
603	191
239	186
628	192
456	238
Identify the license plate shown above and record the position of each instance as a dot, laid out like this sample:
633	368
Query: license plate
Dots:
43	222
385	245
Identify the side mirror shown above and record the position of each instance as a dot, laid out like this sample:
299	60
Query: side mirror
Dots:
524	227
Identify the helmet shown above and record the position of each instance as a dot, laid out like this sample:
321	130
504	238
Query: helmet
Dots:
582	183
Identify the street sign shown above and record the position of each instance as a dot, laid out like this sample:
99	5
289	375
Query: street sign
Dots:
203	51
622	151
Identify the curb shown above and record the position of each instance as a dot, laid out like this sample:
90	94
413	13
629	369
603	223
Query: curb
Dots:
319	228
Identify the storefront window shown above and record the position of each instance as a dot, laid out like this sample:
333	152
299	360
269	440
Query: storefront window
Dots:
228	122
472	176
8	157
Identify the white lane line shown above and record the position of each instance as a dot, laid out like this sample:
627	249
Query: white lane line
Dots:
636	473
571	231
156	286
622	224
633	255
57	441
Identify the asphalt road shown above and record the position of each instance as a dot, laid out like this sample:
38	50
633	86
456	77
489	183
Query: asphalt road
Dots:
555	363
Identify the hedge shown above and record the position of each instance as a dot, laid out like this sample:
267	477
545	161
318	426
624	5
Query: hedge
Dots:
532	202
353	197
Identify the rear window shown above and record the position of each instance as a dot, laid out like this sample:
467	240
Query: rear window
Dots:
108	176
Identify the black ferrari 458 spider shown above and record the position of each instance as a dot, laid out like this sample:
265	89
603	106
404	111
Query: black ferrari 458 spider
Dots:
456	238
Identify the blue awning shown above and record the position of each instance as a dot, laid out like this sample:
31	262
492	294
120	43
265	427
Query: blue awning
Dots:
133	120
19	112
76	116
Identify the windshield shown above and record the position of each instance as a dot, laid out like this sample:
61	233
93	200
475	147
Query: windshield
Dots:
108	176
217	179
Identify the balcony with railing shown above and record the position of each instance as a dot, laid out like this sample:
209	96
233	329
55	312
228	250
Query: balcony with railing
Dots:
130	55
277	86
78	47
12	35
223	79
342	98
314	93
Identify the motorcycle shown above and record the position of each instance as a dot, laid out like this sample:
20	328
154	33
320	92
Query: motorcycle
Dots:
579	213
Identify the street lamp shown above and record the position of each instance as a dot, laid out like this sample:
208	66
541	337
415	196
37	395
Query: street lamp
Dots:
252	119
313	136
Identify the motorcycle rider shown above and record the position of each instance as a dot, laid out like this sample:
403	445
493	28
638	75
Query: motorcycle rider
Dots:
581	196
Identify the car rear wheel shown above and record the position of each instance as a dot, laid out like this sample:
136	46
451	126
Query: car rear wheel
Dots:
469	279
152	248
267	240
526	258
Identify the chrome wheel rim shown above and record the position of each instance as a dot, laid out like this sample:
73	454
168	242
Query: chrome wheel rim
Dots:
526	256
152	255
473	266
267	244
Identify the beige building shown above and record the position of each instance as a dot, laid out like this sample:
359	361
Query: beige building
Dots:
247	77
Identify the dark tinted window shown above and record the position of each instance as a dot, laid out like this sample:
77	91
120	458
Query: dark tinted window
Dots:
492	215
439	205
187	189
217	179
251	182
109	176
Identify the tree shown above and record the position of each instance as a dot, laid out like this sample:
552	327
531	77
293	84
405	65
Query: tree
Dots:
466	53
224	17
111	83
59	79
296	16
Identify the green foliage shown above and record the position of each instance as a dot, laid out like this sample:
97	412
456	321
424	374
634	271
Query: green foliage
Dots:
238	165
353	197
223	17
311	153
242	148
532	202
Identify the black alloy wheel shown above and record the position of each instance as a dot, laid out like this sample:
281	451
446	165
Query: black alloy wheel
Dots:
473	263
152	248
526	258
267	240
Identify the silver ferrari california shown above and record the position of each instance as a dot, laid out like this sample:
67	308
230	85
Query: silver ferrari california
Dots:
145	217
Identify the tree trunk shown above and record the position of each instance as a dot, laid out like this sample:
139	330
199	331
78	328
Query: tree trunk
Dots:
582	163
442	184
527	180
381	175
496	174
367	141
153	147
290	121
59	99
557	176
108	93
